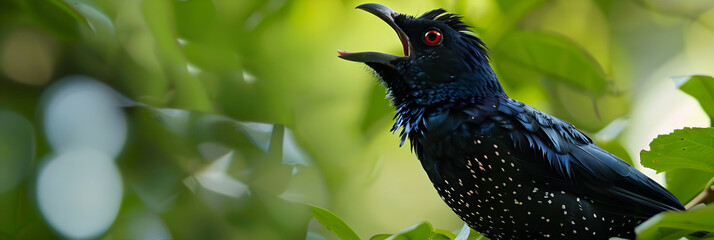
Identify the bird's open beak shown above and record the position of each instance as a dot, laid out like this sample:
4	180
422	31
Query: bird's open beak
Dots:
387	15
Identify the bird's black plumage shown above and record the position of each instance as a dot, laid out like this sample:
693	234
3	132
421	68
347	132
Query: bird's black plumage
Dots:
507	169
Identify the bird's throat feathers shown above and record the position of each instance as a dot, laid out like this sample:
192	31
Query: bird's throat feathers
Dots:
410	119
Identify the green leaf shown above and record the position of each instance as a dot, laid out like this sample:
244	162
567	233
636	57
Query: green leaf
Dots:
701	88
441	234
333	223
556	58
674	225
684	148
380	236
98	28
54	15
97	21
685	184
422	230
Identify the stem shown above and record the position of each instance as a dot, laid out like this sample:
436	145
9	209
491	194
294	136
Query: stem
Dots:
703	196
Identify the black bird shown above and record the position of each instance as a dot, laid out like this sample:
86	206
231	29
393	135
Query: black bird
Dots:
508	170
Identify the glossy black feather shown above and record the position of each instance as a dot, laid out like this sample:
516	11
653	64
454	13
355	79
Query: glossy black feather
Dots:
549	154
507	169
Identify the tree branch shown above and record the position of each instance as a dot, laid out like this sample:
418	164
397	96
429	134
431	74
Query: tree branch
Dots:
703	196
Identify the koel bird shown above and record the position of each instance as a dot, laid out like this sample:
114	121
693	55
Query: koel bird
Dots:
507	169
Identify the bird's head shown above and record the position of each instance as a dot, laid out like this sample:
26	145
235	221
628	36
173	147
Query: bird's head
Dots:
443	61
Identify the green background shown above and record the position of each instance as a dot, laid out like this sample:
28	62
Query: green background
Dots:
603	65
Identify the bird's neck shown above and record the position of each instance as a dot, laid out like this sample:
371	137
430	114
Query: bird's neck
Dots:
413	104
484	82
412	118
409	118
427	86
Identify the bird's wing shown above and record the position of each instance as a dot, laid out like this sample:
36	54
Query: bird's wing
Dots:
555	146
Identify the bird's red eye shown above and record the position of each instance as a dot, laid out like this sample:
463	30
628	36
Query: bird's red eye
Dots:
432	37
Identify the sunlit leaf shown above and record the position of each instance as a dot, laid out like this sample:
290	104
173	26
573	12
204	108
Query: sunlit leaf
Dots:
701	88
96	20
674	225
214	177
175	120
333	223
684	148
212	127
293	155
555	57
271	172
380	236
440	234
422	230
259	133
277	139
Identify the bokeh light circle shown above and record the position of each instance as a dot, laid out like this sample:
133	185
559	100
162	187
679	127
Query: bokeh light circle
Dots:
79	193
81	113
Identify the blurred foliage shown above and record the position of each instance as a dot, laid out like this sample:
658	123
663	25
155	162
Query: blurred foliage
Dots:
334	223
701	88
242	120
678	225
